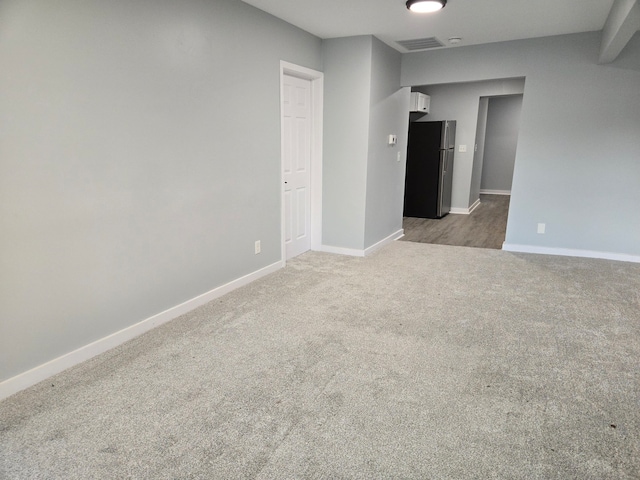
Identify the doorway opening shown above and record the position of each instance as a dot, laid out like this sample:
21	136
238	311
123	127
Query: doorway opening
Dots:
488	119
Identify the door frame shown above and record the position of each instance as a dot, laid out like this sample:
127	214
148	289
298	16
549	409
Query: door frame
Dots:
315	195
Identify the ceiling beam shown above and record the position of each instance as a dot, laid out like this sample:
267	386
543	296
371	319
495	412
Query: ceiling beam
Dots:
623	22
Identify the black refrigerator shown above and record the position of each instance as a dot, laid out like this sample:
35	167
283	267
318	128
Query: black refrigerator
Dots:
428	181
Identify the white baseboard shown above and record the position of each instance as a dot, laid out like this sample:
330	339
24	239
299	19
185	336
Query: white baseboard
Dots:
385	241
495	192
465	211
57	365
569	252
352	252
459	211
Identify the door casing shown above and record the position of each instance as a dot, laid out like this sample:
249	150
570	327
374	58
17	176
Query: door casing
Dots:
315	195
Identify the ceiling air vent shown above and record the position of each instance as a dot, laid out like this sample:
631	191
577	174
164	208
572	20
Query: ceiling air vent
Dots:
421	43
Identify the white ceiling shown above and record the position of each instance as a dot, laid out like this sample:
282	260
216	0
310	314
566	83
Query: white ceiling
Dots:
476	21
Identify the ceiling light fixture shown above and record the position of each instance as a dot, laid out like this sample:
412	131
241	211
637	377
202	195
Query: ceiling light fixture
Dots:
425	6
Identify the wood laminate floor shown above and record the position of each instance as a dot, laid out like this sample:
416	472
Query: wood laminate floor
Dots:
485	227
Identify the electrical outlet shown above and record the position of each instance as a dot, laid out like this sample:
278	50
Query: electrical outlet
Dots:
462	148
541	228
258	248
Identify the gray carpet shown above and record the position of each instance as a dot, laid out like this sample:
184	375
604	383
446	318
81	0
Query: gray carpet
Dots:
420	361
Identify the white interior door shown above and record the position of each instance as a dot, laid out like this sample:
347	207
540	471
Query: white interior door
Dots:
296	138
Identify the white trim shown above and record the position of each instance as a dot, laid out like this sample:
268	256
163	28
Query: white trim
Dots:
495	192
352	252
317	103
459	211
385	241
569	252
465	211
57	365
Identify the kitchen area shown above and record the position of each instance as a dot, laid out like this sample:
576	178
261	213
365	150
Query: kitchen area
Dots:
460	162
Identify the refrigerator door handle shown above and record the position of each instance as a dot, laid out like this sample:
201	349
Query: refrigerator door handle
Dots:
445	136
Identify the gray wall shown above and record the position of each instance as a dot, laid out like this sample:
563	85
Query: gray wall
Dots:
363	183
577	165
501	142
139	161
478	156
347	83
460	102
385	175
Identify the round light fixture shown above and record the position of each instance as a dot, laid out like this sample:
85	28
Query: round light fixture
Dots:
455	40
425	6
